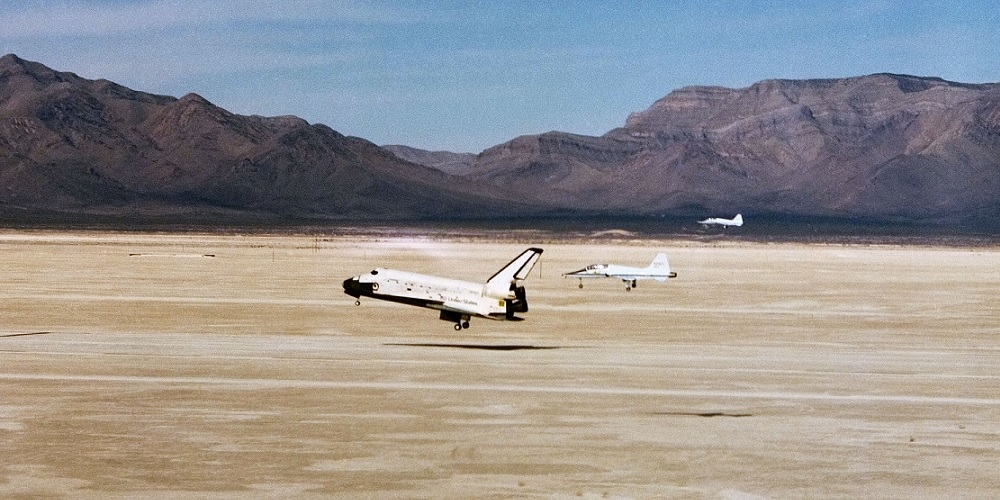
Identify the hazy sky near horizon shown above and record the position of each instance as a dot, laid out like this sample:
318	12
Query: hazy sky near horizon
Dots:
466	75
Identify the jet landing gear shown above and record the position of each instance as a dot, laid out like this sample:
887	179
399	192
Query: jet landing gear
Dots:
460	325
629	285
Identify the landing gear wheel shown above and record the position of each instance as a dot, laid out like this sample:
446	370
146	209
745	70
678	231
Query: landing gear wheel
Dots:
465	324
357	302
458	326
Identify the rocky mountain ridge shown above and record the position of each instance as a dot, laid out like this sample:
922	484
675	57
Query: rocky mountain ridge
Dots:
884	146
445	161
881	147
72	145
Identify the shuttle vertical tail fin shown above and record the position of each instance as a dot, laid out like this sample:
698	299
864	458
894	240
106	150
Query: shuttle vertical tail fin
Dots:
515	270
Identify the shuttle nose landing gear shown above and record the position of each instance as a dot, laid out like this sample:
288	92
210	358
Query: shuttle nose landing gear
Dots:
461	324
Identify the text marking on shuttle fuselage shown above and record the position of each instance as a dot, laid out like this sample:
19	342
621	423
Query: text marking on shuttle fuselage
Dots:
658	270
718	221
499	298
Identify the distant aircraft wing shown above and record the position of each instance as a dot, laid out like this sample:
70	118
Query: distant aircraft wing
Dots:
657	277
586	273
633	277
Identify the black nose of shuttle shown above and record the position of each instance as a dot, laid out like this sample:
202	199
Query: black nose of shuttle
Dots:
352	287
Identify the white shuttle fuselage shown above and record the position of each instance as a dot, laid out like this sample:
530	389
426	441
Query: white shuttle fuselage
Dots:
501	297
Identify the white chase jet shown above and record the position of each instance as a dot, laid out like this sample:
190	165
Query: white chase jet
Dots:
500	297
658	270
718	221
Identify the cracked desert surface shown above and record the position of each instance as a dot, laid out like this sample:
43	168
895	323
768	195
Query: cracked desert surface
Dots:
233	366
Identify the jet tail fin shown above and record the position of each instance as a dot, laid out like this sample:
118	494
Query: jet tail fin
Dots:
738	220
660	267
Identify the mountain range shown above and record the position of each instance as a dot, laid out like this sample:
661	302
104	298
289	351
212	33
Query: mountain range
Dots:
882	147
74	146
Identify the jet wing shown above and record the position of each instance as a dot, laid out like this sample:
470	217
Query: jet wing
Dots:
580	274
591	271
657	277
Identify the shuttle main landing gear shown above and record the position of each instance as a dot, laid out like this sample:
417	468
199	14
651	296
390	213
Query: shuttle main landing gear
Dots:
461	321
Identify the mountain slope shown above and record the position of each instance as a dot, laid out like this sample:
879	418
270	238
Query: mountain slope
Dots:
882	146
445	161
76	145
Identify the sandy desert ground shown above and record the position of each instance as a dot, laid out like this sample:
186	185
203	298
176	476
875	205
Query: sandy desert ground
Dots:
163	365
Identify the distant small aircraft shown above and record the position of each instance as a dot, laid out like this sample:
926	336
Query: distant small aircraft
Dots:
658	270
500	298
735	221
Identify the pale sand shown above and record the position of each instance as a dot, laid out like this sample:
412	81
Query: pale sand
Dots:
761	371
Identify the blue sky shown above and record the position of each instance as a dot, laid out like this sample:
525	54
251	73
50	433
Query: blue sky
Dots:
466	75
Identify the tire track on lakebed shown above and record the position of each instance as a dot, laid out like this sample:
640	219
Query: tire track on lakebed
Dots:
250	384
